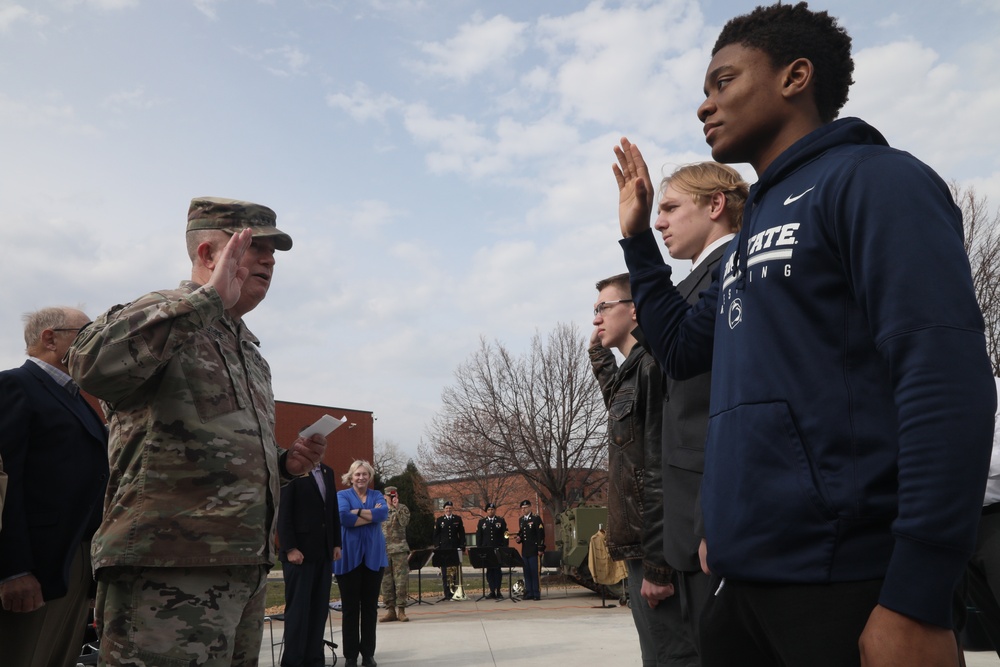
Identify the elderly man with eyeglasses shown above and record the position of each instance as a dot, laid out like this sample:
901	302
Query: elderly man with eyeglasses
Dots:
55	449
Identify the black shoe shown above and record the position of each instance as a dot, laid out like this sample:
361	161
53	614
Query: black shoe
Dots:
368	662
350	662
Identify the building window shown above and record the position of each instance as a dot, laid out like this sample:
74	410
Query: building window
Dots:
471	500
438	503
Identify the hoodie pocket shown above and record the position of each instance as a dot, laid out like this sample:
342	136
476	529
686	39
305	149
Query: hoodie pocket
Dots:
766	512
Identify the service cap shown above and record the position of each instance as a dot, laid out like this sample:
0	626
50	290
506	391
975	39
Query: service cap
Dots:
232	216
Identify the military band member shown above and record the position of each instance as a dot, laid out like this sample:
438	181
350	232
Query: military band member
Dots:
449	533
395	576
531	537
490	534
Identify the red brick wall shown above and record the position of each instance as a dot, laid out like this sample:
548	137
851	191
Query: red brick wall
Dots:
343	446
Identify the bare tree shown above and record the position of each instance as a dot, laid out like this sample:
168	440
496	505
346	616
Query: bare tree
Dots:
982	243
388	459
458	454
539	416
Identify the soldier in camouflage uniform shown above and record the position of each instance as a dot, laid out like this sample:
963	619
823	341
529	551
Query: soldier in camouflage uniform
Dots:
395	577
182	554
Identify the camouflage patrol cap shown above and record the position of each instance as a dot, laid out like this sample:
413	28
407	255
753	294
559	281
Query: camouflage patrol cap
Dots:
232	216
390	489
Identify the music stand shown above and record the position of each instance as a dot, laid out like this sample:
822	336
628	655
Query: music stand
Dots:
483	557
446	557
509	558
417	560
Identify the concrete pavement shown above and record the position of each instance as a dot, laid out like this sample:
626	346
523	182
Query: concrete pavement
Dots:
566	628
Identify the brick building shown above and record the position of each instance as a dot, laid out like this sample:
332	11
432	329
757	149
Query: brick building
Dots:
469	501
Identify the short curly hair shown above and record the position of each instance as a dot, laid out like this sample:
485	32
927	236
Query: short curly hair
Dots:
787	32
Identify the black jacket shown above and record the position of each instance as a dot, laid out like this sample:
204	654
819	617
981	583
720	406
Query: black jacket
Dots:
685	422
633	393
55	451
305	521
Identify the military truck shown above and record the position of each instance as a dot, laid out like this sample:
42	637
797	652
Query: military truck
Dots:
573	531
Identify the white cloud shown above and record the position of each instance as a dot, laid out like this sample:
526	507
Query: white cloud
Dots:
362	105
293	59
477	46
52	113
928	107
11	14
207	7
130	99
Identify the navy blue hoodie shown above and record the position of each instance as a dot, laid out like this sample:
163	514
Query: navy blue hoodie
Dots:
852	401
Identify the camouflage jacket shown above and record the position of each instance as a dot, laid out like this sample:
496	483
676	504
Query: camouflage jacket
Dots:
394	529
195	472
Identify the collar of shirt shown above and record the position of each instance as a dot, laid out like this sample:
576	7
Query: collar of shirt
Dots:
60	376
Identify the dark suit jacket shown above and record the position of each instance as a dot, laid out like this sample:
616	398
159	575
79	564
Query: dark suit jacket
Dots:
305	522
55	451
685	423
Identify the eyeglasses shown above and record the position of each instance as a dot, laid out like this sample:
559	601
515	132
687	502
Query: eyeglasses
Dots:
74	328
604	305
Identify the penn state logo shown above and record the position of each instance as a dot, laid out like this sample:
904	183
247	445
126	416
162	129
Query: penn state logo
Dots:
735	313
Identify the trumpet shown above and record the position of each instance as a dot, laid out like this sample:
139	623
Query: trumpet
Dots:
506	534
459	592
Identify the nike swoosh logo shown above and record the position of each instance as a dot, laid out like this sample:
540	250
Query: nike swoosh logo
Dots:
797	197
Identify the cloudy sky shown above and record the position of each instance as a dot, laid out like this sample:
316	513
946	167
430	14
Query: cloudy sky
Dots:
444	166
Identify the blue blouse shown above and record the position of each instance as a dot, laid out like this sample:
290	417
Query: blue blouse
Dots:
361	545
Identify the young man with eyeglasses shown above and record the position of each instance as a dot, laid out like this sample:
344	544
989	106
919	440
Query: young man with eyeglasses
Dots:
633	393
852	398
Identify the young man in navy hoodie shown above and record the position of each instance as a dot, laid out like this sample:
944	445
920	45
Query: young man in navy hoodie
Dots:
852	400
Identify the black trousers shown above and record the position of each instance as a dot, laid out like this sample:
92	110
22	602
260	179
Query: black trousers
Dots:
307	606
786	625
359	591
494	577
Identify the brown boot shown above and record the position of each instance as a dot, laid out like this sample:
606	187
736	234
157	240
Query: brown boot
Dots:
389	616
401	614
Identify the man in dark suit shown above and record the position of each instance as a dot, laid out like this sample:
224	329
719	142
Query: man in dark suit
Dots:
309	540
54	449
700	211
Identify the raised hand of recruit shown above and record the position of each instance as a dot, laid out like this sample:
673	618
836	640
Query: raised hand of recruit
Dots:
635	189
594	338
227	274
304	454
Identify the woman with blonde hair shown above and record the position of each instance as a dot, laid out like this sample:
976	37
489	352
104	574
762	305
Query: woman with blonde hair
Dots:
363	557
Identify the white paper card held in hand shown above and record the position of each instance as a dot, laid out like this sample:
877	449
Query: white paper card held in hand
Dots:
324	426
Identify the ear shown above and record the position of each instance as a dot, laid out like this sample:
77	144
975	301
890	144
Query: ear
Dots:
716	206
207	254
797	77
634	318
48	339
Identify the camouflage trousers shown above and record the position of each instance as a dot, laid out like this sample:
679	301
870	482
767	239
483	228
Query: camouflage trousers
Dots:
181	616
394	581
